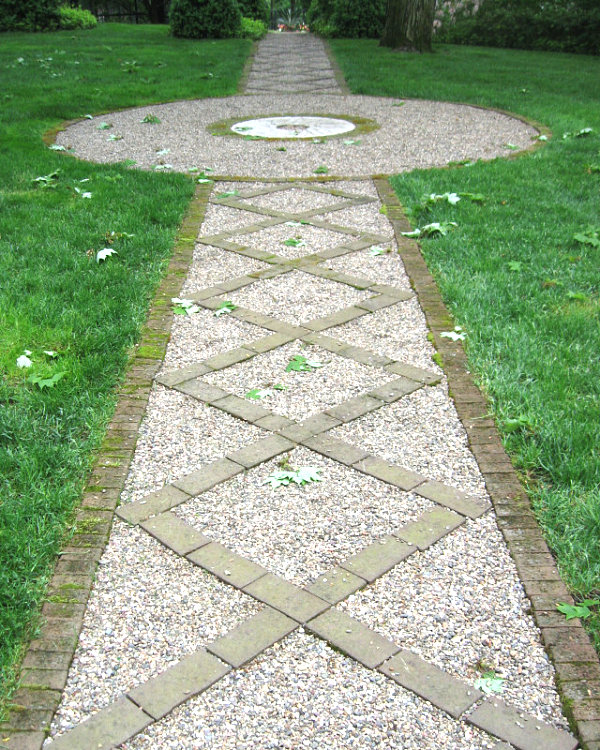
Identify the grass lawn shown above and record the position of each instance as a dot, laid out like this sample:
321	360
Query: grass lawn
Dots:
525	291
77	318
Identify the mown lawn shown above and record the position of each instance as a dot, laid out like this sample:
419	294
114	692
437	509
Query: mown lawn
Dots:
54	297
525	291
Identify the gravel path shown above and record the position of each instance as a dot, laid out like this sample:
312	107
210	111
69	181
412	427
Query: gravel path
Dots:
456	602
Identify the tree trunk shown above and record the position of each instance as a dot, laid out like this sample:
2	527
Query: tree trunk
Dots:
409	25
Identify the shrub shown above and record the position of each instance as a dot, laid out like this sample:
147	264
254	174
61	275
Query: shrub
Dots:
252	29
205	19
257	10
76	18
29	15
551	25
319	14
358	18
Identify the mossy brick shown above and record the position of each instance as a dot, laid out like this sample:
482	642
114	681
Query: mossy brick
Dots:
175	533
390	473
201	390
113	476
226	565
260	451
414	373
336	585
430	527
335	319
46	679
377	558
578	692
334	252
47	660
554	588
586	672
294	602
555	620
108	728
589	731
207	477
395	389
151	505
572	636
295	432
63	609
450	497
320	423
193	674
232	357
175	377
352	637
521	731
354	408
336	449
252	637
587	709
209	292
268	343
30	719
379	302
238	283
30	698
431	683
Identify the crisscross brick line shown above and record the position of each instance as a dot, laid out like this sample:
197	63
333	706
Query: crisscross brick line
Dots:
288	606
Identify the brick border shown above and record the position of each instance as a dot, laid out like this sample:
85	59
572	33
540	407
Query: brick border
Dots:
574	658
48	657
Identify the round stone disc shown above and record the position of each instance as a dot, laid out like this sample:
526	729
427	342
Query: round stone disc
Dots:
293	127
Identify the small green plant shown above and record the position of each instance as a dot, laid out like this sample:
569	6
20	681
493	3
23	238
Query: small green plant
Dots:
582	609
489	683
322	169
105	126
48	180
257	394
295	242
589	236
298	363
151	119
184	306
300	476
43	382
225	308
130	66
377	250
227	194
578	133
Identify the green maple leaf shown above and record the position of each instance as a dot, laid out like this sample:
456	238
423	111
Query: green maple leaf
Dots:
489	683
46	382
299	363
224	308
581	610
295	242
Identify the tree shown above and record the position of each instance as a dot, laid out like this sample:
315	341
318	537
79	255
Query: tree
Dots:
409	25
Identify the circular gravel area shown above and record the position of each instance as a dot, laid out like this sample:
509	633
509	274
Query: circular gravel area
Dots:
418	134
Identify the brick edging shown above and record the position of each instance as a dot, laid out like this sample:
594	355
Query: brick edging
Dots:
575	660
48	657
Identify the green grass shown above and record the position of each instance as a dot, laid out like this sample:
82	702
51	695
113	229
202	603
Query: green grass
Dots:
53	294
534	327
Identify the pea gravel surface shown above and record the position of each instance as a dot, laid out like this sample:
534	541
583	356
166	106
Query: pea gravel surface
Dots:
461	606
297	296
306	239
150	609
179	435
302	694
306	393
296	531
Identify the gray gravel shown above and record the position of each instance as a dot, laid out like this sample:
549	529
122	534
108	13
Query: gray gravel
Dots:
399	332
212	264
303	694
297	296
273	239
306	393
202	335
419	134
301	532
149	609
421	432
386	268
177	436
460	605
